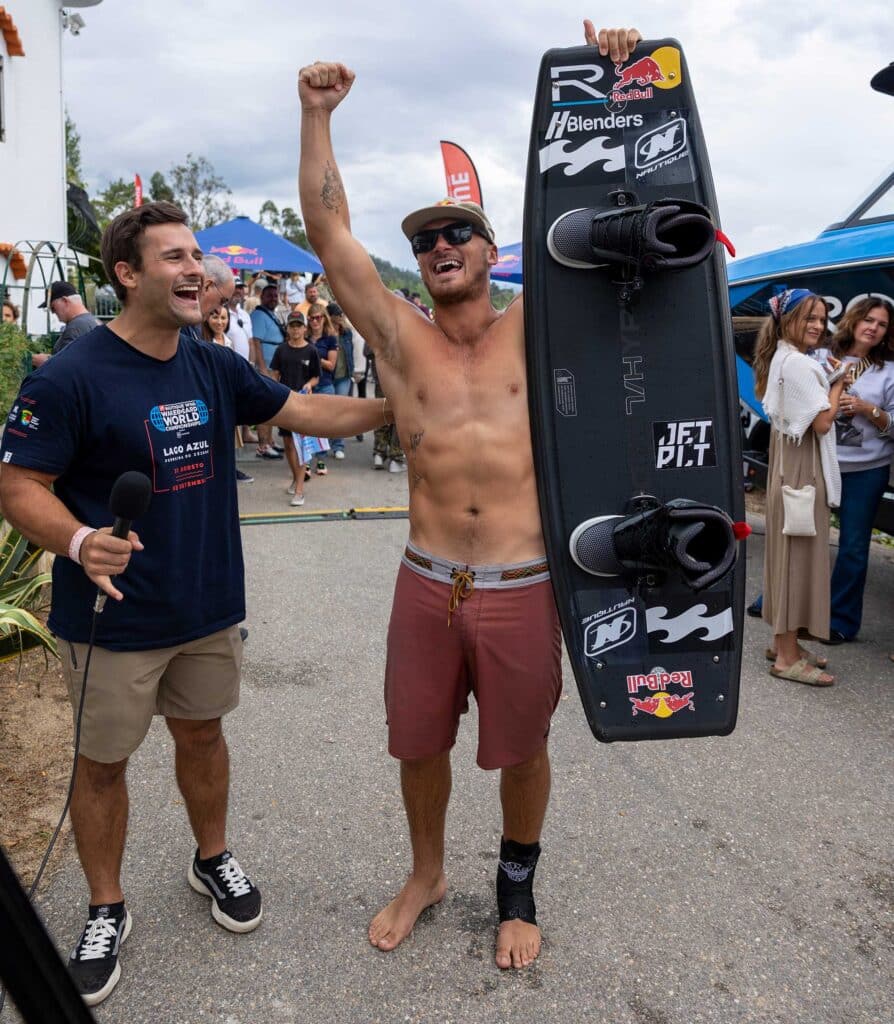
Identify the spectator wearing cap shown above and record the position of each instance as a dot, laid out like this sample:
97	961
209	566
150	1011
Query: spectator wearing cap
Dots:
266	336
343	374
65	302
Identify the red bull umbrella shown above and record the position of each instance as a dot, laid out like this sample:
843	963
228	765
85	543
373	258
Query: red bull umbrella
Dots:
244	245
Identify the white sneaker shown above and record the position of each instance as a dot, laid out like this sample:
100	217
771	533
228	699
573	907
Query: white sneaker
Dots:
297	500
397	467
339	454
378	461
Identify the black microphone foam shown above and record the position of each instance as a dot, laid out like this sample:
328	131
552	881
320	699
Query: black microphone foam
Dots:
130	496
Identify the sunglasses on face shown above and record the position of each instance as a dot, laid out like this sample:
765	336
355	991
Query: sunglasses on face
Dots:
454	234
317	317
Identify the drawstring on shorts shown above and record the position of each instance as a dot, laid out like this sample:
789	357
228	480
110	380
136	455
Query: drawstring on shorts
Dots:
463	585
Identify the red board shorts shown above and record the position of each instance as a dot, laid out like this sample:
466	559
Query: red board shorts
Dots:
502	643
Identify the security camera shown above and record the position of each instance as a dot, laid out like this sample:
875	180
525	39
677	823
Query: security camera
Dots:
73	22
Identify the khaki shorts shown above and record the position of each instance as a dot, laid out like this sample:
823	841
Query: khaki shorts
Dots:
125	689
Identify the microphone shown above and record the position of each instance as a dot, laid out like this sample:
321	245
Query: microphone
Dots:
130	497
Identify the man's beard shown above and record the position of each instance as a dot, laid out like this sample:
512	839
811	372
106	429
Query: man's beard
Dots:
477	286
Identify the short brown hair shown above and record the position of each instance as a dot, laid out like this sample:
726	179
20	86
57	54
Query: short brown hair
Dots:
121	240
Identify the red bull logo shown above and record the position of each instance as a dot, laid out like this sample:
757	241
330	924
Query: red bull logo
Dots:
642	72
661	69
658	679
663	705
234	250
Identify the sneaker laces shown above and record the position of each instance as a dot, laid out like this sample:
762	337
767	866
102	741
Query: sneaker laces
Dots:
97	938
234	877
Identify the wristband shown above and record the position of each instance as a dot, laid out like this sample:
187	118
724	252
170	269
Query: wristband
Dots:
74	545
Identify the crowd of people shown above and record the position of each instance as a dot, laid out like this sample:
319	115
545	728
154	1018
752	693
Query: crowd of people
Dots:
293	331
830	400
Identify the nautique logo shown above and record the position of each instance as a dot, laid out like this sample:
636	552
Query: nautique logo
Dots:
661	143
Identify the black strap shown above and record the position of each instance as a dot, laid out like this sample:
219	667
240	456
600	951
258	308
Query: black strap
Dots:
264	309
515	881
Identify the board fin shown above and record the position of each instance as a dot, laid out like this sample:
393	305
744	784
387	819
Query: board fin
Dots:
695	541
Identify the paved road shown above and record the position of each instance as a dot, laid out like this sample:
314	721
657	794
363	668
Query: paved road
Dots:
744	879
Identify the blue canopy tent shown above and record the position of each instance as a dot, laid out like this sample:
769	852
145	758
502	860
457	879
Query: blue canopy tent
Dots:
244	245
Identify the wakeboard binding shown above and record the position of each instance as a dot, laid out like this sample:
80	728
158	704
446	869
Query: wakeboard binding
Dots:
695	541
665	235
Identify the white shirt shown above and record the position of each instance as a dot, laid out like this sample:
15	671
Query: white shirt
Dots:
240	336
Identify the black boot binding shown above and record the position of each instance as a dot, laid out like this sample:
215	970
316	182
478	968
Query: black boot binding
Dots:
515	881
665	235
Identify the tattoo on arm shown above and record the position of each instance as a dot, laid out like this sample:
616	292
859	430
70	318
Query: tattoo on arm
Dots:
416	440
332	193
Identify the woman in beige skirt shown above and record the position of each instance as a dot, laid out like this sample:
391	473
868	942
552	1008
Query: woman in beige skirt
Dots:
802	406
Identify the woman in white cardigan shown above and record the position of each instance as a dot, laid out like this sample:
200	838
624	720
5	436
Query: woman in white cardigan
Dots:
802	407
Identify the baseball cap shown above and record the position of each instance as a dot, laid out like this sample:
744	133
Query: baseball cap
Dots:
333	309
451	209
296	318
58	290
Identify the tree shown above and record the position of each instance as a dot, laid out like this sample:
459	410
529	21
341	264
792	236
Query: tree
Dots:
159	189
73	170
200	193
268	217
293	228
115	198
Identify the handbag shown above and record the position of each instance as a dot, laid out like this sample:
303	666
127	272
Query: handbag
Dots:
798	503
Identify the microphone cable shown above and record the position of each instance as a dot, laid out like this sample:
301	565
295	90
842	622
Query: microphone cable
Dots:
74	772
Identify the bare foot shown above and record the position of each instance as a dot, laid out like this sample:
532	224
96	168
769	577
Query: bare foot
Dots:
392	925
518	944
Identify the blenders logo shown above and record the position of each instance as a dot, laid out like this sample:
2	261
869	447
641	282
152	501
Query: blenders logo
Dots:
609	631
684	444
574	85
179	415
563	122
660	146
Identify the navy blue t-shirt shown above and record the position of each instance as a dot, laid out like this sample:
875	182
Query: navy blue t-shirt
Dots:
100	408
324	346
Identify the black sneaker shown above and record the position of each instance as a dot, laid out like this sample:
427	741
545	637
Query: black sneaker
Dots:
244	478
93	964
235	902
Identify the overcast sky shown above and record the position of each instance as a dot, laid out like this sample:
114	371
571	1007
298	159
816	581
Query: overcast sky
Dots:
794	132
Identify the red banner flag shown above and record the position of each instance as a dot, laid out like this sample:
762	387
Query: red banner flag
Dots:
462	178
137	190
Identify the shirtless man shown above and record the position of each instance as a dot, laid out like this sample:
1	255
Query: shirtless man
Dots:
473	607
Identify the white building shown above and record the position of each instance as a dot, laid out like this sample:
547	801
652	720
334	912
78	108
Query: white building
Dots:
32	127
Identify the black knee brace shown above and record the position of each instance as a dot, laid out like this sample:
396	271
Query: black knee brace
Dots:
515	881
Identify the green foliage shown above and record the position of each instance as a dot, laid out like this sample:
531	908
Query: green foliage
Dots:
15	363
159	189
73	171
285	222
200	193
119	195
22	591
